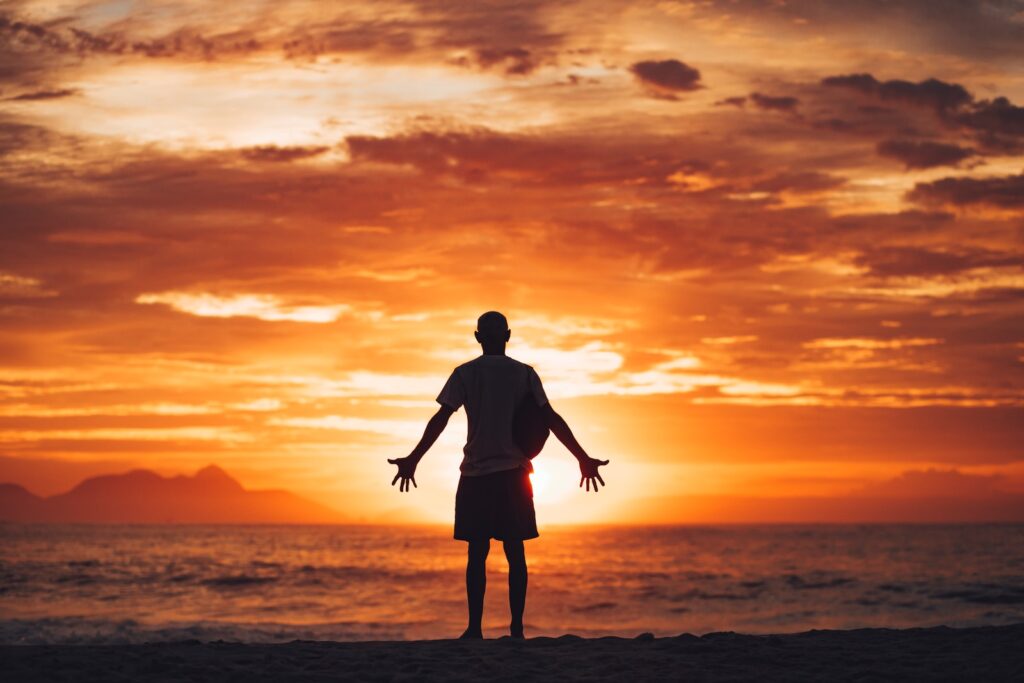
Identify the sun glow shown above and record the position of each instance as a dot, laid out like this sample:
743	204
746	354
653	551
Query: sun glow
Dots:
554	480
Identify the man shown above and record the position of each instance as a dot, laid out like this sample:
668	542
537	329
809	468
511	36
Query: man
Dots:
494	498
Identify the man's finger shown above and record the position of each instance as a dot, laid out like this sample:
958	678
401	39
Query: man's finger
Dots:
595	484
392	461
413	479
601	480
581	482
605	462
395	479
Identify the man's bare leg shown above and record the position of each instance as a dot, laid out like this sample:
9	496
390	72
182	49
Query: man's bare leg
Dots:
476	585
515	553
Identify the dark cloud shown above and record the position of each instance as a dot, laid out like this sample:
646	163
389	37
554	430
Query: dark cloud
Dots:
515	61
44	95
998	124
923	262
274	153
774	103
668	77
932	93
1004	192
923	153
731	102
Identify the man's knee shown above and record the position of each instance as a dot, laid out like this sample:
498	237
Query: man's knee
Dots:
515	553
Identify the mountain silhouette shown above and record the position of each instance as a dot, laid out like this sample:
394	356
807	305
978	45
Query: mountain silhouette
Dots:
211	495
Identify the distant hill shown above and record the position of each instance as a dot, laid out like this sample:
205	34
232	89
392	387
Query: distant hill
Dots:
144	497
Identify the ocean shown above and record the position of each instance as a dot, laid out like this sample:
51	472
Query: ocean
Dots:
127	584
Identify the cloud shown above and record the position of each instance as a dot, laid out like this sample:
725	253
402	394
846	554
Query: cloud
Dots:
997	123
998	115
931	93
738	101
515	61
773	103
512	36
971	31
275	153
262	306
1002	192
737	339
667	78
866	343
21	287
902	261
43	95
923	154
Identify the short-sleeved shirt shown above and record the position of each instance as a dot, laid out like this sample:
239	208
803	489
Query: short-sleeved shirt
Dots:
491	386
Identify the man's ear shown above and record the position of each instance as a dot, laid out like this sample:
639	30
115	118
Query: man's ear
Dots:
476	335
508	333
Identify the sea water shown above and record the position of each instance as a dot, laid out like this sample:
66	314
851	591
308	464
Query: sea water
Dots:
116	584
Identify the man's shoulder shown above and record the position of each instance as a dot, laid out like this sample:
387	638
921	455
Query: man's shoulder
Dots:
485	360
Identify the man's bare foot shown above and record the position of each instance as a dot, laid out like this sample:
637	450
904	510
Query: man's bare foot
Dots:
472	634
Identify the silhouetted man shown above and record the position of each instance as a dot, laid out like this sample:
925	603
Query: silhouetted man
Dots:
495	497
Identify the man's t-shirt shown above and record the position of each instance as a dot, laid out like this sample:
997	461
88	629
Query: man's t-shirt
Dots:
491	387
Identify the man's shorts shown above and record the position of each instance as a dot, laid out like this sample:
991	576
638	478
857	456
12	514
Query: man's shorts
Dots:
497	505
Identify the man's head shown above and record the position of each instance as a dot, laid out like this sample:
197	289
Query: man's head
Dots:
492	329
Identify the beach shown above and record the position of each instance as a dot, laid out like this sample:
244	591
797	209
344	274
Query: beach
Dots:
986	653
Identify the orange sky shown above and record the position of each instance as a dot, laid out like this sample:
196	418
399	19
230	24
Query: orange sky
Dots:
754	249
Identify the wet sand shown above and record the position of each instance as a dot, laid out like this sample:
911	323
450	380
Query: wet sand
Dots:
932	654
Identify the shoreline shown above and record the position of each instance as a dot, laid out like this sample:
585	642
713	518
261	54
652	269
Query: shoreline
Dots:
992	653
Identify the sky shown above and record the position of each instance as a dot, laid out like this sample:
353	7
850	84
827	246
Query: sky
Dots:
767	257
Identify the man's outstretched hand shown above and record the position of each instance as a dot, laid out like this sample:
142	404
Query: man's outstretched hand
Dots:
589	473
406	472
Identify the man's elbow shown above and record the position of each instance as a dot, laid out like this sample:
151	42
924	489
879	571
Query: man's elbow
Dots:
553	419
442	415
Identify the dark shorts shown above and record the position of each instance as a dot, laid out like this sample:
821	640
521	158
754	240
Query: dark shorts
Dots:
498	505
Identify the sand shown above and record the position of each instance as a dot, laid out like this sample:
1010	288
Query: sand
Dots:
988	654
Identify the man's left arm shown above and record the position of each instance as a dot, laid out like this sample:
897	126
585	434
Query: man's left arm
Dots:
407	465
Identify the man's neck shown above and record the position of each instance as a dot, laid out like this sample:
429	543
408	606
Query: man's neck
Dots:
494	350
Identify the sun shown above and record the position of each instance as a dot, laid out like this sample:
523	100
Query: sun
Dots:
553	480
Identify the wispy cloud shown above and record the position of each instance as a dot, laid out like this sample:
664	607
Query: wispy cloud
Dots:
261	306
